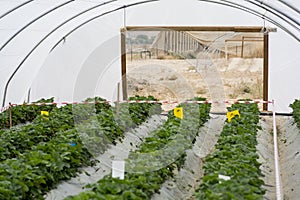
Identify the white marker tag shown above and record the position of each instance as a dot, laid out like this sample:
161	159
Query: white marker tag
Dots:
118	169
226	178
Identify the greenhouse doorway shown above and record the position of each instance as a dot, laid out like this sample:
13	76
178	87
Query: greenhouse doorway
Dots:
216	62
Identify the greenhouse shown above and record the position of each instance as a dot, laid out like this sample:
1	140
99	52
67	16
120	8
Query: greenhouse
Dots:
149	99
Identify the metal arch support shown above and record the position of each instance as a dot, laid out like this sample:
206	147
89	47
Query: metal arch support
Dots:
98	16
280	12
245	8
230	4
253	12
275	12
34	20
290	6
111	11
15	8
40	42
267	8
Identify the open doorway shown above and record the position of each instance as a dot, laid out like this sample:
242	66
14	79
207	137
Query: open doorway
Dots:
177	63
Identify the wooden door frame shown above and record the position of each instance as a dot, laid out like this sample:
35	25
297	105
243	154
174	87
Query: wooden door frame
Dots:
248	29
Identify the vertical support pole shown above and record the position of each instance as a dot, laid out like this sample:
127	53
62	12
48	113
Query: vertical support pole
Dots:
176	41
242	51
10	115
180	42
118	98
123	63
28	95
169	42
226	50
184	42
266	71
165	43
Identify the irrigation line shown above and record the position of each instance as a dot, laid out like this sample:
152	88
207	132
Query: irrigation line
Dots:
276	158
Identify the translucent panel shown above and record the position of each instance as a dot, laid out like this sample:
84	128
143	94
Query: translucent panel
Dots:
52	48
92	64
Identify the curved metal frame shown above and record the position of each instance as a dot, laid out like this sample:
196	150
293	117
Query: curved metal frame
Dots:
101	15
40	42
290	6
253	12
34	20
15	8
275	11
220	2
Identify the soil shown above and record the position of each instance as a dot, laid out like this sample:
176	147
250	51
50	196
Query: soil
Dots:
178	79
289	148
188	178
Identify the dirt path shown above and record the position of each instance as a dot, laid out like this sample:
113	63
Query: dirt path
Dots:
265	150
289	158
118	152
289	152
187	180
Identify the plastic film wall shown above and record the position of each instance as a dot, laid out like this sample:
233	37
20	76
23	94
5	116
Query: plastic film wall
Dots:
71	49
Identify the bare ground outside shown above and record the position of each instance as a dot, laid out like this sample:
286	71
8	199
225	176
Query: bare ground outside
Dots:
181	79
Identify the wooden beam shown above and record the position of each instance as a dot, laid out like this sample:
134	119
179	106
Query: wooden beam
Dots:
266	71
195	28
123	64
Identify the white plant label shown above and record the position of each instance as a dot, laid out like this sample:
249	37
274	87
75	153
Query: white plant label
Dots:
118	169
223	177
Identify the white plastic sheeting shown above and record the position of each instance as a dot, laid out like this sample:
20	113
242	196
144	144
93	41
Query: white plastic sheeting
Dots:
86	61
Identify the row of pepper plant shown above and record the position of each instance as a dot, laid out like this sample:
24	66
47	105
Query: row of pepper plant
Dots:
296	111
232	170
156	159
39	155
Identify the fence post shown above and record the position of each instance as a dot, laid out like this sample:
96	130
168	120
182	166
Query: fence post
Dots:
118	99
10	115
